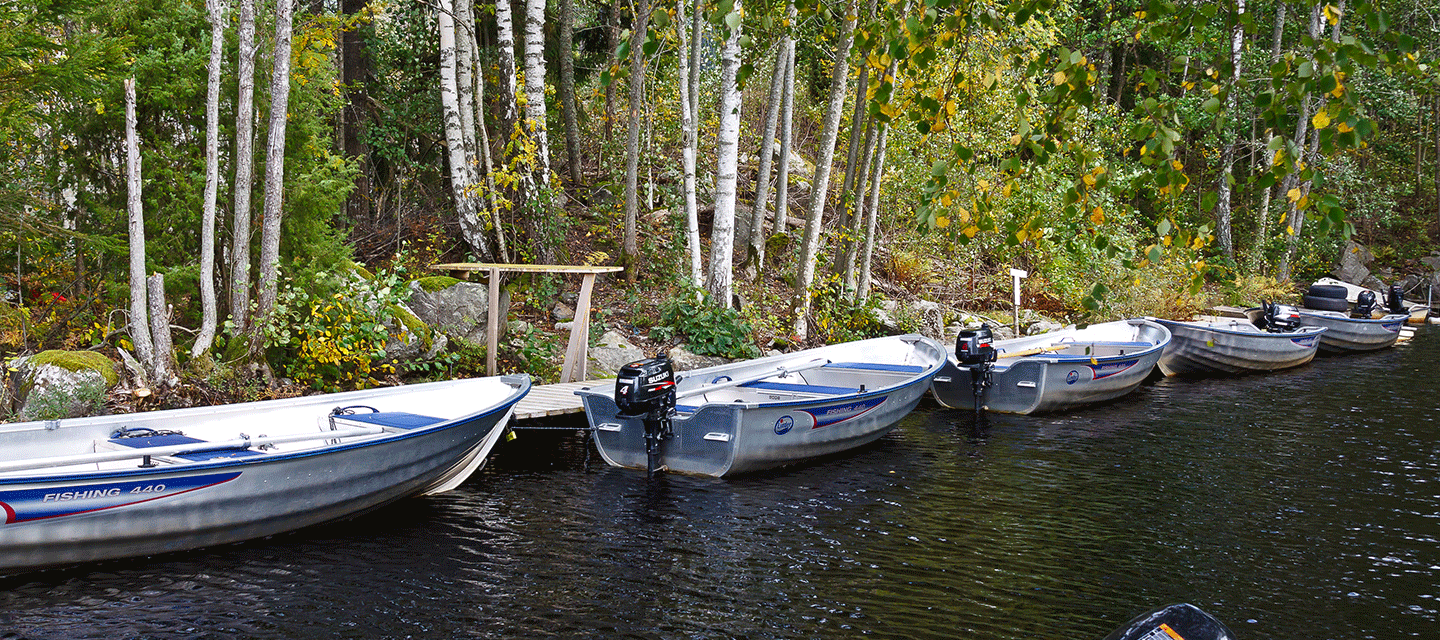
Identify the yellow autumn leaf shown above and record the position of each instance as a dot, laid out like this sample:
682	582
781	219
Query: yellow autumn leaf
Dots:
945	200
1293	194
970	231
1189	84
1332	15
1058	79
1015	140
1097	217
1214	89
1022	235
1165	241
1344	128
1290	230
1089	180
984	185
964	215
1321	119
1279	158
942	222
1006	191
1177	165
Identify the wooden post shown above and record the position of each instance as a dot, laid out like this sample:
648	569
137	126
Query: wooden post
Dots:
576	353
492	329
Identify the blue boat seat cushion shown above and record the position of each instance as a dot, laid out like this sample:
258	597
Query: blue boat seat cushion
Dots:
394	419
801	388
175	439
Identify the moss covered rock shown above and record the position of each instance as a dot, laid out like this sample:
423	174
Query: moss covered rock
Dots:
52	385
436	283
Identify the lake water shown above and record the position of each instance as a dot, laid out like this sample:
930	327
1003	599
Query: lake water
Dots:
1301	504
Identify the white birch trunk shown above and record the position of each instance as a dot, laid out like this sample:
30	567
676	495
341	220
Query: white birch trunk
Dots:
535	85
689	74
139	319
755	256
631	246
722	230
853	236
1227	154
463	31
1263	230
502	251
872	214
208	314
1296	217
505	52
163	368
244	169
810	244
452	113
787	109
274	169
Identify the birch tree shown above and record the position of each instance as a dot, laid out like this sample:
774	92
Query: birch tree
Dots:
722	229
810	244
755	255
274	169
787	109
689	76
139	318
505	60
567	89
471	226
872	214
1263	232
535	86
244	168
1291	185
208	315
630	250
1227	153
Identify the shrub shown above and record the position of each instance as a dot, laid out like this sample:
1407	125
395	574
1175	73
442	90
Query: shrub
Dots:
708	329
332	336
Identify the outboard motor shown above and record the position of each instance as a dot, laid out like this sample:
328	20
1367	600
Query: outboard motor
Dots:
1365	304
1395	299
975	350
646	390
1175	621
1281	318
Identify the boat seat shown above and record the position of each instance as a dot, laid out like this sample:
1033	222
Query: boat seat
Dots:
801	388
392	419
876	366
169	440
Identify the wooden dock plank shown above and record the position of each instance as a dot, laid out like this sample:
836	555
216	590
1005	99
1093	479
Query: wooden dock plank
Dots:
554	399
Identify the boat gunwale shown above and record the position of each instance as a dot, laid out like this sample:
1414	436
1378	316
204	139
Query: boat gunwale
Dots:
255	461
1389	317
1302	332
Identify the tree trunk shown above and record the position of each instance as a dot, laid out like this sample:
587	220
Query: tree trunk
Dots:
722	230
1263	232
567	89
163	367
461	28
356	73
505	52
689	76
612	43
755	255
452	111
139	321
502	251
535	90
1297	217
872	214
857	126
630	251
1436	129
810	245
787	109
853	237
208	314
274	171
1227	153
244	169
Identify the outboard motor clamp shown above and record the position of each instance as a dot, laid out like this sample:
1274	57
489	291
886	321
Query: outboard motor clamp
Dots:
1395	299
1281	318
646	389
1365	304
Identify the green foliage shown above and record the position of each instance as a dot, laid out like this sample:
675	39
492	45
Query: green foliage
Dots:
55	403
707	329
436	283
836	317
533	351
332	334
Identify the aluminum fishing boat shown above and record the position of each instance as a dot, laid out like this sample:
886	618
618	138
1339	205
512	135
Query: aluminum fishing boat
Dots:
1055	371
1237	345
1418	313
104	487
1352	335
759	414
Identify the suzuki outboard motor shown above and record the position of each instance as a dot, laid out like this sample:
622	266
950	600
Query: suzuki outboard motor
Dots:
1365	304
1281	318
646	390
1395	300
975	350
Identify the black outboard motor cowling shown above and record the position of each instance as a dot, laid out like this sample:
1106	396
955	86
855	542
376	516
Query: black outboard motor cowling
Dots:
1365	304
975	346
645	386
1395	299
1281	318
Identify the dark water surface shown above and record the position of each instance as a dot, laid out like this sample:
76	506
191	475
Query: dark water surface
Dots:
1295	505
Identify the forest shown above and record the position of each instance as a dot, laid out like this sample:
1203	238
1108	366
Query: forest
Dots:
236	193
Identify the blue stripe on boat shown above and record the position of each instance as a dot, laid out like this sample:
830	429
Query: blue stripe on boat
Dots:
876	366
395	419
801	388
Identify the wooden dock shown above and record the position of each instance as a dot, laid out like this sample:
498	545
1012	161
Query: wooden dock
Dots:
550	400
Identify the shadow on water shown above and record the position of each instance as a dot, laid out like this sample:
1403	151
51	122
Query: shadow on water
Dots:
1296	504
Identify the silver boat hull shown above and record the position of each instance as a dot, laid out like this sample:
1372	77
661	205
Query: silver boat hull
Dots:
1354	335
1234	347
1069	368
864	388
116	508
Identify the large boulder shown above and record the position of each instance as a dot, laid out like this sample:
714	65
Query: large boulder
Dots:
613	352
454	308
1353	265
51	385
411	339
684	360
